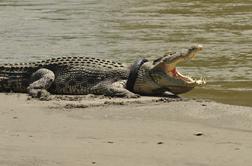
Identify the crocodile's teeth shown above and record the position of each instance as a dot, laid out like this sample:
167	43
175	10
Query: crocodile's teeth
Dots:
185	78
204	80
201	81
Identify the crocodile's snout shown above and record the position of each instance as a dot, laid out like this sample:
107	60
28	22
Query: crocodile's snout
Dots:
191	52
198	47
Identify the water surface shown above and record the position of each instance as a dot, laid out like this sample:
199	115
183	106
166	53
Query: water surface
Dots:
124	30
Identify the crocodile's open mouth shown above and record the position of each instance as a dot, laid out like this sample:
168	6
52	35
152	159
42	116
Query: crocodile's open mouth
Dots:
178	75
179	58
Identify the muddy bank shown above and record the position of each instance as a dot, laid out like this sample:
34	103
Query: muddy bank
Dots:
90	130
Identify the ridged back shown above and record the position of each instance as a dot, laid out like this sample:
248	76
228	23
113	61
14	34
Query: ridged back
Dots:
16	76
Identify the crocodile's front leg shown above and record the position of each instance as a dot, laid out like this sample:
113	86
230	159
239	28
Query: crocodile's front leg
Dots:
115	89
42	79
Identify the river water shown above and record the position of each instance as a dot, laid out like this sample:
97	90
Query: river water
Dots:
127	29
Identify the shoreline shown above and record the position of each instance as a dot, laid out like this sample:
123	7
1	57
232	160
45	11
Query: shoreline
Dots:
239	98
90	130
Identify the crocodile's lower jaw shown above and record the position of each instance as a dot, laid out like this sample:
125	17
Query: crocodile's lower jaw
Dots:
189	80
183	77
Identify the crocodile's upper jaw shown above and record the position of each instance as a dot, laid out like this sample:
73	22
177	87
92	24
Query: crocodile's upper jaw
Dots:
190	54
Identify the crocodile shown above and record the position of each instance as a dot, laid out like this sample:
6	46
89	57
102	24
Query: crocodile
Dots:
80	75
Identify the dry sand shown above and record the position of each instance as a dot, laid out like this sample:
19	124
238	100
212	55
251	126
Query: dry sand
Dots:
73	131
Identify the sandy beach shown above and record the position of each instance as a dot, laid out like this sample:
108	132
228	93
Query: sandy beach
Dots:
100	131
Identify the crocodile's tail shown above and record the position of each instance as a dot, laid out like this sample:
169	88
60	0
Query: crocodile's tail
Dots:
14	77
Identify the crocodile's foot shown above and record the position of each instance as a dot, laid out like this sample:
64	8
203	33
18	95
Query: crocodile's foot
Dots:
40	94
131	95
42	80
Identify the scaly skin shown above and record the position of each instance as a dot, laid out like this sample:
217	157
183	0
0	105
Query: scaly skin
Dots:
86	75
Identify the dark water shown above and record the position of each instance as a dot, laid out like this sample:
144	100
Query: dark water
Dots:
125	29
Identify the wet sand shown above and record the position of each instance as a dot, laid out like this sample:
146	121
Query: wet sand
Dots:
110	132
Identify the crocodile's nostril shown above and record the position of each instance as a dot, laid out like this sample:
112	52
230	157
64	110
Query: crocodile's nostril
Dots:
200	47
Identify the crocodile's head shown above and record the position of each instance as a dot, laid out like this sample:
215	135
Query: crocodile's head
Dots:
166	77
